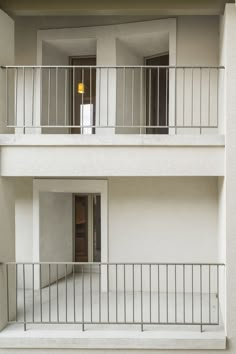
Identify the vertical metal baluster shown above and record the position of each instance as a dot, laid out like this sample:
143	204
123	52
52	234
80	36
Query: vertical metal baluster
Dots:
41	96
133	292
24	297
91	292
183	97
192	297
201	297
200	100
209	99
49	291
16	95
100	94
150	292
209	275
141	98
217	102
100	300
58	315
49	95
149	96
82	297
33	292
192	77
167	291
66	289
167	77
218	296
66	95
33	88
116	295
16	270
7	113
73	96
90	95
74	293
158	291
56	83
40	292
108	314
124	295
132	98
141	288
175	69
184	293
175	295
24	100
124	84
158	96
82	123
8	317
107	95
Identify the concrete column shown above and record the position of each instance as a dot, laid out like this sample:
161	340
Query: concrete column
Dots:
229	49
7	246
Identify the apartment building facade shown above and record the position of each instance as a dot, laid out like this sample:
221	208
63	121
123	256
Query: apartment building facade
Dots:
117	177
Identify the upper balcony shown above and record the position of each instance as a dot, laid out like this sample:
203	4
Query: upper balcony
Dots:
88	100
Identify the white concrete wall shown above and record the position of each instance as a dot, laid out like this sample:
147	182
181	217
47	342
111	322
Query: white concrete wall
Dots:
7	56
58	93
197	45
129	98
229	53
56	231
7	247
24	219
160	218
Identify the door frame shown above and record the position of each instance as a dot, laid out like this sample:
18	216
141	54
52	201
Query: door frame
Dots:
90	224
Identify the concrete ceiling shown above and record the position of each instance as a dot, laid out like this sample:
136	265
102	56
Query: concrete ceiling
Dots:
148	44
76	46
113	7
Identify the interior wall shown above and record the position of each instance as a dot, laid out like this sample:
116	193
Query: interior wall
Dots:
58	89
24	219
7	247
56	231
130	81
158	219
197	40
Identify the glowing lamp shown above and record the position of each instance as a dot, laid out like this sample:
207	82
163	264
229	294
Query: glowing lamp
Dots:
80	87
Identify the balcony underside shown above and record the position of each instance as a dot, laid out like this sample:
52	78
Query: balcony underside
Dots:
84	156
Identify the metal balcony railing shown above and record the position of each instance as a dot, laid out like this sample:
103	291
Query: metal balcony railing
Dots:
118	99
115	293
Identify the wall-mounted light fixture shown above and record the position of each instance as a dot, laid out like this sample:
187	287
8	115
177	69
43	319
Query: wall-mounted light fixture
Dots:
80	87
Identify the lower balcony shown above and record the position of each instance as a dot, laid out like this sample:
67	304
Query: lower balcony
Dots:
115	305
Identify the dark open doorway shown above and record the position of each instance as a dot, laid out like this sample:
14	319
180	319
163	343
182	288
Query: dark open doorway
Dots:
87	227
83	95
157	95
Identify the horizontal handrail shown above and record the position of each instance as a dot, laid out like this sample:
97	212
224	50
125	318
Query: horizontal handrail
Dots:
120	263
110	66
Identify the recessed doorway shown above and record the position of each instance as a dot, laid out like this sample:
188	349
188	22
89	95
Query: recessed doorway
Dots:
83	94
87	219
157	95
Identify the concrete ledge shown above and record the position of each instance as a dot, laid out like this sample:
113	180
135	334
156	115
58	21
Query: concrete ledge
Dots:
76	339
110	140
